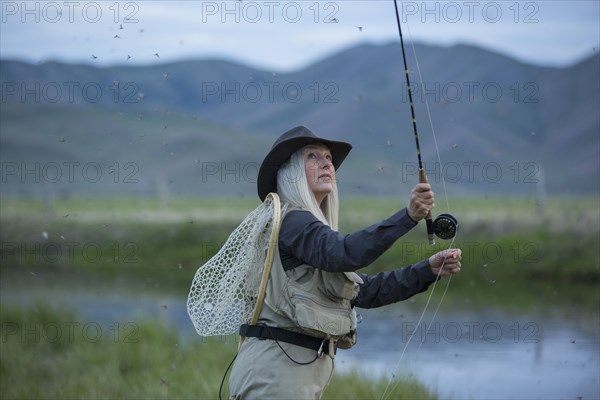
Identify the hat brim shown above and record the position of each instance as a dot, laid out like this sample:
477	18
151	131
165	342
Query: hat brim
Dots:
280	153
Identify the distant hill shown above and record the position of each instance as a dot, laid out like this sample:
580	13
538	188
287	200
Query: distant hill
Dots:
202	127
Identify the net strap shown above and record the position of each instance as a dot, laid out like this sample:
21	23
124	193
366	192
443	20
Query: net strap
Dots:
273	241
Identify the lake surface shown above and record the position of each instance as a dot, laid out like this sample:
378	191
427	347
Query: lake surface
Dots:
491	354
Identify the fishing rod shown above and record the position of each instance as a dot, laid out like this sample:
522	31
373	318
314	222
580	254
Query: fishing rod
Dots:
444	226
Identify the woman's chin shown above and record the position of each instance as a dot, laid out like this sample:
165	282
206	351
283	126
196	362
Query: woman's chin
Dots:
323	189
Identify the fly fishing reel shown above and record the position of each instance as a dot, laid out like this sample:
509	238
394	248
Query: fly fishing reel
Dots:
445	226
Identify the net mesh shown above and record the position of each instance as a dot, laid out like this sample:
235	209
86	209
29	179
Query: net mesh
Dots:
224	290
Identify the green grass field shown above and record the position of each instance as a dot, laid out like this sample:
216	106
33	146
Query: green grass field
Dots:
42	359
506	244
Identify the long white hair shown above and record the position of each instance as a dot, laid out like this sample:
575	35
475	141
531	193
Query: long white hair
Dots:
292	187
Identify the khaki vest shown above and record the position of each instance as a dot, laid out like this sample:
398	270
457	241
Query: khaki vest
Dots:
312	301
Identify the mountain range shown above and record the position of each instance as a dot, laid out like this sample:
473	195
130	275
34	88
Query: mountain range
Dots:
201	127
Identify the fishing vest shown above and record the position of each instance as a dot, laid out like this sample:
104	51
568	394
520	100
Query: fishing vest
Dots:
312	301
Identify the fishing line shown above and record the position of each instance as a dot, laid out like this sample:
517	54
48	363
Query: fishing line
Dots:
446	220
441	300
418	324
437	150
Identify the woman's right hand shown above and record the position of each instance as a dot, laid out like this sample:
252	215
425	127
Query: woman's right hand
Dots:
421	201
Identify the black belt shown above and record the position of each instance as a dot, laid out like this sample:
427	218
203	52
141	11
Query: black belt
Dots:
321	346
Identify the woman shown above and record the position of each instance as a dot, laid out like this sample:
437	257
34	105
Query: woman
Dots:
313	288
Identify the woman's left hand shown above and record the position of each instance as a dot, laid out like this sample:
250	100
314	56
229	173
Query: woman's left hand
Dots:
447	260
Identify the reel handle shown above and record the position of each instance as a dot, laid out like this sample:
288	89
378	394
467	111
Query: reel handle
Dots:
428	217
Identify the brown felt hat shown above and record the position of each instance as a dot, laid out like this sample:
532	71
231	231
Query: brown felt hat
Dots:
286	145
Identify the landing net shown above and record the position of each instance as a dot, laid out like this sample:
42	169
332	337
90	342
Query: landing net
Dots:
225	289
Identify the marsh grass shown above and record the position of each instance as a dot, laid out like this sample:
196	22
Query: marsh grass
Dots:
39	361
507	247
506	264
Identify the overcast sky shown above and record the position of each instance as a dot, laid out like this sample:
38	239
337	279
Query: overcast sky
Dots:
287	35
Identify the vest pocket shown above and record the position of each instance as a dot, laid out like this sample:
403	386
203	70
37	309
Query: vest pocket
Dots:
327	316
337	285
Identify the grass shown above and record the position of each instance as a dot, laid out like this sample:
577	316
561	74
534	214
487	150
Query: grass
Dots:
505	249
47	354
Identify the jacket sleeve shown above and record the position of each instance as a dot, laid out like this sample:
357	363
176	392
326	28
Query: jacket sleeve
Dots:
303	239
392	286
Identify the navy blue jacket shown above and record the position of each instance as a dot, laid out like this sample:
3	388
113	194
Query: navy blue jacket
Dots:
303	239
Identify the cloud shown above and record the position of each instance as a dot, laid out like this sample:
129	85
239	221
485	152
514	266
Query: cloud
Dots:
286	35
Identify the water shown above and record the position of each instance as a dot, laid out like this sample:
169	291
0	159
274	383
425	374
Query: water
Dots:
461	355
482	356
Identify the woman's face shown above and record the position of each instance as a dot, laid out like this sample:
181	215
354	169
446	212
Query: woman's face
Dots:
319	169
